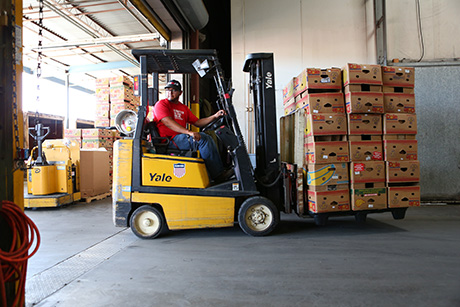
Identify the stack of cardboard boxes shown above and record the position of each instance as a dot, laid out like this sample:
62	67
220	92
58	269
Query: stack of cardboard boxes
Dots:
358	149
102	103
112	96
320	140
364	104
400	129
325	143
121	97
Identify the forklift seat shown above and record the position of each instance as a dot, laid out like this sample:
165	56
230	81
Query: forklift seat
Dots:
161	144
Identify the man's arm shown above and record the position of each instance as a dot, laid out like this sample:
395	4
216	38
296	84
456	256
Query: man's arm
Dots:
202	122
173	125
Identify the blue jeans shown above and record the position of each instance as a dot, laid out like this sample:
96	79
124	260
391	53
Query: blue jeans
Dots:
206	146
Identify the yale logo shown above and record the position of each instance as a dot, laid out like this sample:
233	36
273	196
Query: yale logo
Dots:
160	177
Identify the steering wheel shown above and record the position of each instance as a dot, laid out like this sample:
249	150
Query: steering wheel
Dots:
215	123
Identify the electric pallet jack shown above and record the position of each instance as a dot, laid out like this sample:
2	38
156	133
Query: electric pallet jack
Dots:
53	177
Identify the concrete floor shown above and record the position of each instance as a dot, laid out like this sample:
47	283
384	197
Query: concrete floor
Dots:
85	261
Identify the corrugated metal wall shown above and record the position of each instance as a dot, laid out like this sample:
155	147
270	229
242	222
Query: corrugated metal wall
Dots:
437	98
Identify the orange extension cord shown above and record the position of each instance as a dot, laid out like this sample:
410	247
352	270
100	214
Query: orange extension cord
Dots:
13	263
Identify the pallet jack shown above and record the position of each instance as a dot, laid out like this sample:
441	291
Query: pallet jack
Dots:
53	177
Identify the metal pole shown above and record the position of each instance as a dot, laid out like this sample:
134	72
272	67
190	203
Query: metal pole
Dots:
67	112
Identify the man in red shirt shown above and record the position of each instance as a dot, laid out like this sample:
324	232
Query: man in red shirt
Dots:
171	117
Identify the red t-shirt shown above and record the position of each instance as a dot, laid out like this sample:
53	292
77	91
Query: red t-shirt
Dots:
177	111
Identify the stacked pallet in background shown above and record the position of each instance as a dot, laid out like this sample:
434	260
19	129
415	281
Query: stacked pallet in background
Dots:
102	118
400	129
112	96
364	104
121	96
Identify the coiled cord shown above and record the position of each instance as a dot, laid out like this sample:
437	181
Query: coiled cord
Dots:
13	262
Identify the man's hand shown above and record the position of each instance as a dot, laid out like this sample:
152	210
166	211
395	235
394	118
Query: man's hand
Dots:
219	113
195	135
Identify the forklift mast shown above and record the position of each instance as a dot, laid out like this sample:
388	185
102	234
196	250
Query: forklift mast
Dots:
262	83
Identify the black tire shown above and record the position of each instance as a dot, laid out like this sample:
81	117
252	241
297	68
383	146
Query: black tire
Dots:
258	216
399	213
147	222
360	217
321	219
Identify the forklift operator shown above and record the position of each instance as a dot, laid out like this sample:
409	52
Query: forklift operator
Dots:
171	117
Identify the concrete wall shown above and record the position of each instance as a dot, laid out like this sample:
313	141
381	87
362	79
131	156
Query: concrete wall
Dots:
300	34
327	33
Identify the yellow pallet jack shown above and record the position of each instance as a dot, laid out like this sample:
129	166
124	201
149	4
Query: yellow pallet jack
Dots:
53	177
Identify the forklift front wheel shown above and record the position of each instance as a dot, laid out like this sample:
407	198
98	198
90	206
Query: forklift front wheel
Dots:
147	222
258	216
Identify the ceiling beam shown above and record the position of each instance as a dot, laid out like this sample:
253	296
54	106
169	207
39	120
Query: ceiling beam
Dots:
101	41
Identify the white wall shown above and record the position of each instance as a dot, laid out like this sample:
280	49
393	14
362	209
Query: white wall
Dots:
440	24
300	33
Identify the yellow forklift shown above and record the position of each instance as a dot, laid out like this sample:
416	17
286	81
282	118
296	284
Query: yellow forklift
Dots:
53	177
156	188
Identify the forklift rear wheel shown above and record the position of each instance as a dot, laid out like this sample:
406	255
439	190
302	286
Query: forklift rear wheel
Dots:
258	216
147	222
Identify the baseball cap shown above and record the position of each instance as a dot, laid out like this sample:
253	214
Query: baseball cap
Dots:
174	84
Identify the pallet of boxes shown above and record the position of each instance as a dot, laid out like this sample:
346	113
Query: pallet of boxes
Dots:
399	138
382	145
350	139
316	135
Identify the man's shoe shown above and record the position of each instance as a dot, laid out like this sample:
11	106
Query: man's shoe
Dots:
224	175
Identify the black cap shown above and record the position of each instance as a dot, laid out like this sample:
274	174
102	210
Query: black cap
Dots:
174	84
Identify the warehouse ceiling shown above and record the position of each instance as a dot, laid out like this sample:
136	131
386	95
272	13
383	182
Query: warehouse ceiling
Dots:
93	37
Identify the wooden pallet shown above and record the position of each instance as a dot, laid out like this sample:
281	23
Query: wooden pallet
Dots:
96	197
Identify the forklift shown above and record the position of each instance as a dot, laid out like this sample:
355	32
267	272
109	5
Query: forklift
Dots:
156	188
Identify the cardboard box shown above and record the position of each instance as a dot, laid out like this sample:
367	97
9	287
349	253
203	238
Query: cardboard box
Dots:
400	123
330	201
89	143
96	133
399	103
102	82
121	93
326	174
398	76
402	171
362	74
368	88
365	197
367	171
288	90
326	152
365	124
325	124
289	106
398	89
403	197
321	102
366	150
120	80
400	150
102	122
316	78
94	172
364	102
72	133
